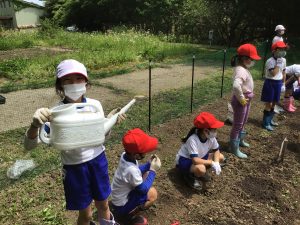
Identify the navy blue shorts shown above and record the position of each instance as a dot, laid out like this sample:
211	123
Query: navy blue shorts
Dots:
85	182
135	199
184	164
271	90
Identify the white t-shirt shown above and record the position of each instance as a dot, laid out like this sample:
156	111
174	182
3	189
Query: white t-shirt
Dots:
271	64
276	39
193	146
293	70
74	156
126	178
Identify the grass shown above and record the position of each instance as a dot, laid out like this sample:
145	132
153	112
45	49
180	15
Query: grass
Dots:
37	196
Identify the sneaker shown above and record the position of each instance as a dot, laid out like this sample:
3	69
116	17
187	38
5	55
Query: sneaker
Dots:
191	181
205	178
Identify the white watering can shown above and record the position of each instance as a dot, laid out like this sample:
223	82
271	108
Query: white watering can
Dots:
72	129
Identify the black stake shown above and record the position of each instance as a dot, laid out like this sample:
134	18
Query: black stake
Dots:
224	58
265	58
149	124
192	89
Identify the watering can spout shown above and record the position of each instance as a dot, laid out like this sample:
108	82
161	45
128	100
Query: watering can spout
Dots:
109	123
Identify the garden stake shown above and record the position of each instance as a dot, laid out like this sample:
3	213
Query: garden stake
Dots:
192	90
149	124
282	151
224	57
265	57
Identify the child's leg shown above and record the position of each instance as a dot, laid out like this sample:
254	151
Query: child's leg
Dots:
103	209
239	113
152	196
85	216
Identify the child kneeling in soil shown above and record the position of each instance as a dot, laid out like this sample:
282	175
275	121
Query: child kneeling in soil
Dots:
132	183
200	150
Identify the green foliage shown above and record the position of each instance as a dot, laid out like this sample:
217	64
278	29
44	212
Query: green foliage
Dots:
14	39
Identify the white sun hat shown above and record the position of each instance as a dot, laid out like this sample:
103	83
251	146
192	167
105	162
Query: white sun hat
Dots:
279	27
71	66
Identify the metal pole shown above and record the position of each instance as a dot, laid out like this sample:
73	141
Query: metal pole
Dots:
224	57
265	57
192	89
149	122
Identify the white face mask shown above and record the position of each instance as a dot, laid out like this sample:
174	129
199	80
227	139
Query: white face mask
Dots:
250	64
211	134
279	54
74	91
281	32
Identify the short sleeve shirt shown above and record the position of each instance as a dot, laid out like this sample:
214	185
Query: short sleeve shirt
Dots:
293	70
194	147
126	178
270	65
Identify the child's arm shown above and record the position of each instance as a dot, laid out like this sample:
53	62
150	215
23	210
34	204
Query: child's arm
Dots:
147	183
198	160
145	167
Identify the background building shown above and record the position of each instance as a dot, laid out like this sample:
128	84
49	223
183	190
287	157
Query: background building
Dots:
17	14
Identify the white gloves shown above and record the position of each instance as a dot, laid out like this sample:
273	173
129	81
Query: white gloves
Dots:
40	117
216	167
155	164
121	117
283	88
279	62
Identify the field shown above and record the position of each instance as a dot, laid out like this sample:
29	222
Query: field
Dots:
252	191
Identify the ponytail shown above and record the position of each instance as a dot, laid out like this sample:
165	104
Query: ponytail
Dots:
193	130
233	60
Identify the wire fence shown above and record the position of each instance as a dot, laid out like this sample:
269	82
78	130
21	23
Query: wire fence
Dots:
171	89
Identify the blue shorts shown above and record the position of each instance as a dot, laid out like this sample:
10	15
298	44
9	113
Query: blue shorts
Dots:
85	182
184	164
271	90
135	199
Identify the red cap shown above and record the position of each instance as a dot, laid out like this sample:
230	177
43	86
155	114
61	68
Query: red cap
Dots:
278	44
207	120
248	50
137	141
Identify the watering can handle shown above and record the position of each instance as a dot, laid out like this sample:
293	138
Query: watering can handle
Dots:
87	104
44	135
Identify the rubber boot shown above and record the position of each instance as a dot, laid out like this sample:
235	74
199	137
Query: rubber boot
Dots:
267	120
273	123
234	149
108	222
287	101
242	142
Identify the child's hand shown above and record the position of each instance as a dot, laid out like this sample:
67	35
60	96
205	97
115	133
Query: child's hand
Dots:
216	167
244	101
121	118
40	117
155	164
113	112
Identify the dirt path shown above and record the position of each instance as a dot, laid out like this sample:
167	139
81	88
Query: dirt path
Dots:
173	77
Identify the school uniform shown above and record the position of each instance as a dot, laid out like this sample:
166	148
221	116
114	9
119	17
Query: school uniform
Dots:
129	190
194	147
85	170
272	85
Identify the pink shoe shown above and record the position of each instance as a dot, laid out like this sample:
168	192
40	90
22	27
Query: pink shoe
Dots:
288	105
293	102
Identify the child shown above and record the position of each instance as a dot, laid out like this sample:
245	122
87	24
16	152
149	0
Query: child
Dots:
279	29
200	150
85	170
132	183
275	79
292	76
242	94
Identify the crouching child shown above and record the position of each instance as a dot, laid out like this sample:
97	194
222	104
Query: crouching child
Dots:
200	151
132	189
